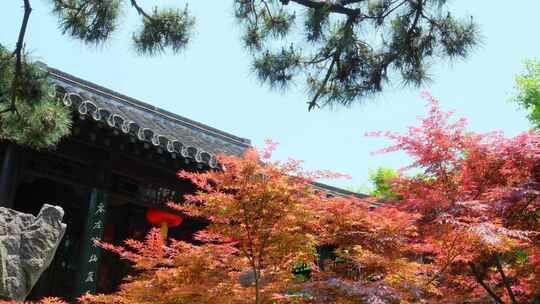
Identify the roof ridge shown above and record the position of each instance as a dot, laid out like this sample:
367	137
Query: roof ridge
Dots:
106	92
338	190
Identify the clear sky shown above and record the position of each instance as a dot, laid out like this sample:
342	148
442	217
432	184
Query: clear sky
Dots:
211	82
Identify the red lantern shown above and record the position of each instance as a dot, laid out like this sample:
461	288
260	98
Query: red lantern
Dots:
163	219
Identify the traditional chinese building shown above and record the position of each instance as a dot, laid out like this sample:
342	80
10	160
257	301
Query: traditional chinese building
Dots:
120	160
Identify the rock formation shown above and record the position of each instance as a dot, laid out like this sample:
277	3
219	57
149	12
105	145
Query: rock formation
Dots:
27	247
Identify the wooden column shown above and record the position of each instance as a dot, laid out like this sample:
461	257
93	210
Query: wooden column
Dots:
95	225
90	252
8	175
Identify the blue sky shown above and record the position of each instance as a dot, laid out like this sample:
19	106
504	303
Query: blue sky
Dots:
211	82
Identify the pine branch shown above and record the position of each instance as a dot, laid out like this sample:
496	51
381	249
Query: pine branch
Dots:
333	7
73	7
313	103
22	32
393	56
347	2
393	9
18	53
267	8
419	12
139	10
81	8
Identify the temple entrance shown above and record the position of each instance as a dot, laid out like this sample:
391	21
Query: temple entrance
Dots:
60	277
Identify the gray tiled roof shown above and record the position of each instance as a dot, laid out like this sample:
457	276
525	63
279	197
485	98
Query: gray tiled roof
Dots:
172	132
338	191
150	124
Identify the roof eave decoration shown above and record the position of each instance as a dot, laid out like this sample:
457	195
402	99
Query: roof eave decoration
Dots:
87	106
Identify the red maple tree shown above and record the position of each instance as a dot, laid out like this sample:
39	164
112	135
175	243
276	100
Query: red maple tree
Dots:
478	201
266	219
373	260
260	227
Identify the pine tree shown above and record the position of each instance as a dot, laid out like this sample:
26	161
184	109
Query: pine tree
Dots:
344	50
347	50
30	116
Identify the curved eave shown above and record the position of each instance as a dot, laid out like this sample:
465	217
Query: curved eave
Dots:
87	107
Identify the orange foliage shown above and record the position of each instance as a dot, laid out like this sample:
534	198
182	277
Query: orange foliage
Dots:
50	300
265	218
259	228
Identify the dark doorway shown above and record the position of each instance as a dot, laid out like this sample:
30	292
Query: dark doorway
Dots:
124	221
59	279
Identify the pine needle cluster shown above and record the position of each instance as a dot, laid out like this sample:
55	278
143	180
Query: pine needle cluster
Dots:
94	21
348	50
37	119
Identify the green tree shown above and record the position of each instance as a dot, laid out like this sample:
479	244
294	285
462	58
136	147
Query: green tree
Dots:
380	183
31	116
528	91
381	179
344	50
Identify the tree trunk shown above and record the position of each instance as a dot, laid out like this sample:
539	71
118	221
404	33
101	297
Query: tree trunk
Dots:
505	280
257	288
480	281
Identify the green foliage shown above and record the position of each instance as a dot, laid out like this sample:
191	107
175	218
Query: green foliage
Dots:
345	51
169	28
348	50
528	91
277	24
30	116
381	180
519	257
302	271
316	24
39	121
89	21
94	21
38	126
277	68
380	184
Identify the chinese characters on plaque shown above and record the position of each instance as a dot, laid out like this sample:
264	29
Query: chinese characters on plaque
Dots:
91	252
